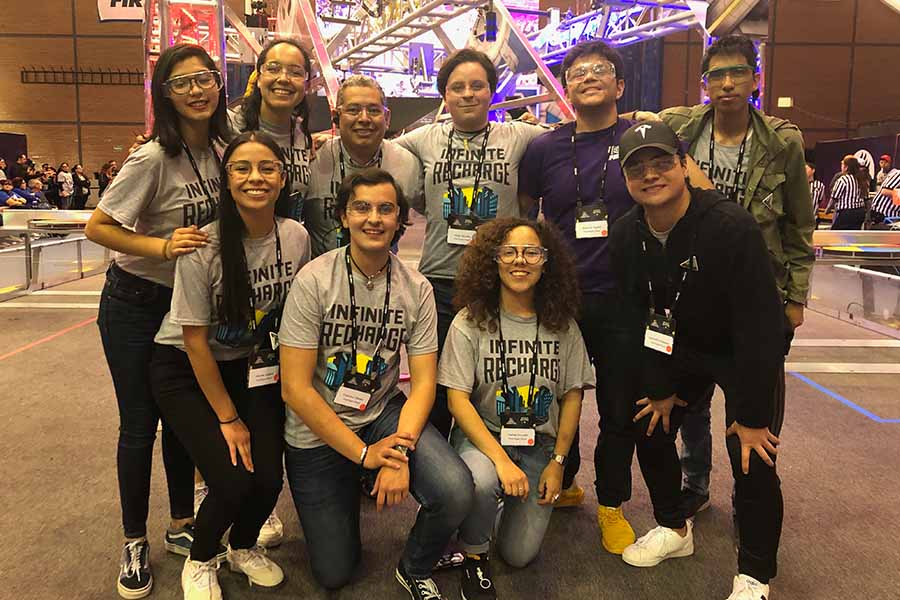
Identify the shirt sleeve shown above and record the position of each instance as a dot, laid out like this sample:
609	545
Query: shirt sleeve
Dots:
531	172
459	360
415	140
191	295
301	321
423	338
134	187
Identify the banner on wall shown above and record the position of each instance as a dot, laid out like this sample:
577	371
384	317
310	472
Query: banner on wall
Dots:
121	10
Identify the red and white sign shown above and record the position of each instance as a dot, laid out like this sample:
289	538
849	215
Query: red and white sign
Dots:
121	10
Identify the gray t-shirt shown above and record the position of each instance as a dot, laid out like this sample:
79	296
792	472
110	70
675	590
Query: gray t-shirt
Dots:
325	179
198	283
470	357
317	316
299	168
154	195
499	182
725	162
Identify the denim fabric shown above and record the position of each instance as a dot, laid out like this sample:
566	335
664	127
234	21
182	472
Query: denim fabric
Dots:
326	488
444	289
131	310
522	524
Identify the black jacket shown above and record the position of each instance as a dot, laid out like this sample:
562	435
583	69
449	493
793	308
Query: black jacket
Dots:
729	308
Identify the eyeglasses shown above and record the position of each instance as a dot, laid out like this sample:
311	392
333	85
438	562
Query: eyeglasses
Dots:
598	69
533	255
354	110
205	80
459	88
660	164
275	69
738	74
241	169
361	208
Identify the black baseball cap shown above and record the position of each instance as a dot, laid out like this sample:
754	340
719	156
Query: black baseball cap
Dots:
649	134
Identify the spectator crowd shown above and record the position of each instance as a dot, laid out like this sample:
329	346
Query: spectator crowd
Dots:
26	185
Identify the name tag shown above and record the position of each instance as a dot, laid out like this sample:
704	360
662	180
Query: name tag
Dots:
352	398
592	221
461	229
460	237
660	334
260	376
517	436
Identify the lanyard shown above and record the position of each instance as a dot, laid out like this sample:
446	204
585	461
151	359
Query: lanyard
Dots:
291	150
740	160
376	160
602	193
534	362
190	156
450	186
278	267
382	331
680	286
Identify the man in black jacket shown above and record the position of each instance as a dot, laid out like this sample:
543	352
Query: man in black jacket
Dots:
698	267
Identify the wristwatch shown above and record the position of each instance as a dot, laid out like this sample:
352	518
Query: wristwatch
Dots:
561	459
402	449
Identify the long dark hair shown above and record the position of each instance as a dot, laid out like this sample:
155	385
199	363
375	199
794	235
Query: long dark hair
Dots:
252	104
234	306
165	117
556	297
859	173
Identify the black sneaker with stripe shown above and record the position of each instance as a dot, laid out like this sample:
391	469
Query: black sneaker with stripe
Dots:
180	542
135	576
419	589
475	581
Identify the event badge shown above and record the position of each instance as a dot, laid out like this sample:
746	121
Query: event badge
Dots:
592	221
517	431
356	391
461	229
660	333
262	365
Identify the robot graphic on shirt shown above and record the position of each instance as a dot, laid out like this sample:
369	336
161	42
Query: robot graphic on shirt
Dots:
485	202
337	366
543	397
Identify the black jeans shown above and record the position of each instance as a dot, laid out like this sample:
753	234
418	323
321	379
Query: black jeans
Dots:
758	500
131	310
444	290
237	498
608	326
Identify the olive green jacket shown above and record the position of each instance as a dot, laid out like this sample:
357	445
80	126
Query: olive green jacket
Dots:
777	193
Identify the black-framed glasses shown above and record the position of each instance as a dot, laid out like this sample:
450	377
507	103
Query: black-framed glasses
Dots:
599	70
354	110
241	169
361	208
205	80
275	68
660	164
532	255
737	73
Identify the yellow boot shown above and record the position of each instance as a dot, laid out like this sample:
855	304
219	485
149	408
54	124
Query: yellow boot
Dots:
571	496
615	530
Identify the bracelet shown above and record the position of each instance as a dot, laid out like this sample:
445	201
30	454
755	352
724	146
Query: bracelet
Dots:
228	422
362	456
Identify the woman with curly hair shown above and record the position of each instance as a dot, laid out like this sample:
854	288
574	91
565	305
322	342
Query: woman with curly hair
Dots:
515	366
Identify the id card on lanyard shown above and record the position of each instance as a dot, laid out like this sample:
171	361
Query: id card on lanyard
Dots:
659	330
517	423
357	388
461	227
263	366
592	219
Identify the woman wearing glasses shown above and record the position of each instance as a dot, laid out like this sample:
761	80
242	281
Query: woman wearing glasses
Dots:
515	366
150	215
277	105
215	370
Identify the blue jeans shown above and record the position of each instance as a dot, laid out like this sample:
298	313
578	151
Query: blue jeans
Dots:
326	490
522	524
131	310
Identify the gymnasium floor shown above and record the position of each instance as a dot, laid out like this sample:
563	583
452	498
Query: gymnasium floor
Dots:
60	530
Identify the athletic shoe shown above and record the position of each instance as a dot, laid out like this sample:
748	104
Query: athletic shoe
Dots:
571	496
258	568
476	582
135	576
200	493
419	589
199	580
747	588
272	532
615	530
692	503
180	542
659	544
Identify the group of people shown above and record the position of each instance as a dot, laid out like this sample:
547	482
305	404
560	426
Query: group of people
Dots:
847	196
24	186
555	261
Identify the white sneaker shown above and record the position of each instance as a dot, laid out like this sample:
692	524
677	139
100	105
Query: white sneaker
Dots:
199	581
747	588
659	544
271	532
200	492
254	563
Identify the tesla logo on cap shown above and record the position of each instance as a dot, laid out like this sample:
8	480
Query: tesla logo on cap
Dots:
643	130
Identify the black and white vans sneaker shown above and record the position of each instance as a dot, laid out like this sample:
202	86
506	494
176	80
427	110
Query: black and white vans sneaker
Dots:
476	582
419	589
135	577
180	541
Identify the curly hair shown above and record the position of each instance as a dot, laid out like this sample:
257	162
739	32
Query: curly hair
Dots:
478	280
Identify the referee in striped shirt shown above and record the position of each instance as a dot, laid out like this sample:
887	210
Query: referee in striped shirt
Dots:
848	196
883	203
816	187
